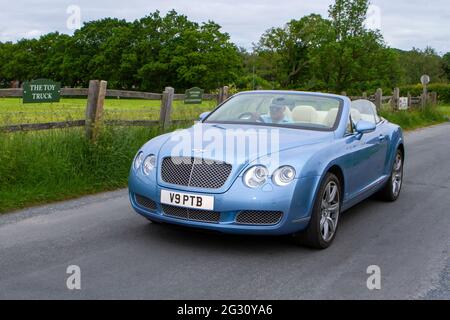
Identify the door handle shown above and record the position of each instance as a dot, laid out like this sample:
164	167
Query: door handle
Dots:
381	137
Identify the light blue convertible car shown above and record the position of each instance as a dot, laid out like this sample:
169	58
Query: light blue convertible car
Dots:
270	163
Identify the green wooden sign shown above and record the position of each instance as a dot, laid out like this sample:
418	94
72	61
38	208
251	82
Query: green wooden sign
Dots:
194	96
41	90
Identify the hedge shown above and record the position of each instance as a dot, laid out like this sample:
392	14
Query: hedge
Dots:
442	89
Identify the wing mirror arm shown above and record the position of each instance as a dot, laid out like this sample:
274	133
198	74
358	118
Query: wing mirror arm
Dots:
203	116
363	127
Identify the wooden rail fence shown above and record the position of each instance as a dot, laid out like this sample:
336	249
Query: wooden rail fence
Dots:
96	94
394	100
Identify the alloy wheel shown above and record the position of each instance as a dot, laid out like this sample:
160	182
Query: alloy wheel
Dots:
397	174
329	211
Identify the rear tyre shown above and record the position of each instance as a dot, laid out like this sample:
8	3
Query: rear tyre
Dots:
391	191
323	225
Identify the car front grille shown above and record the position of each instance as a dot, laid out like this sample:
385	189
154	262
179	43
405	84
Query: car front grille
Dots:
191	214
256	217
145	202
195	172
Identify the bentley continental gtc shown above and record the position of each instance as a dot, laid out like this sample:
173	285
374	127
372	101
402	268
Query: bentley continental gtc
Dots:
270	163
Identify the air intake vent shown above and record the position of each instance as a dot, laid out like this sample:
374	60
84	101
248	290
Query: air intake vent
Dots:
145	202
256	217
191	214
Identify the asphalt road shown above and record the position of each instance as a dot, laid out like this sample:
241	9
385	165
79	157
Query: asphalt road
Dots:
121	255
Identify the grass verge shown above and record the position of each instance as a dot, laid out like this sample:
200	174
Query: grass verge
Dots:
445	109
410	120
45	166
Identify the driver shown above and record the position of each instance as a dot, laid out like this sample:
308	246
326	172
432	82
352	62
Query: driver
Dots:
277	112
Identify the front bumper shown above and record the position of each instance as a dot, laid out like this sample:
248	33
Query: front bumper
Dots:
294	201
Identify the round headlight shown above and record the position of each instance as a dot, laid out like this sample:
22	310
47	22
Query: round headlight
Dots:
283	176
138	160
149	164
256	176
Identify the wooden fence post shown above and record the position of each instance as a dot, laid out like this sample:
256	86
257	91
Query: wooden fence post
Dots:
364	95
223	94
94	108
166	107
343	93
379	98
434	98
423	101
409	100
395	99
424	96
220	96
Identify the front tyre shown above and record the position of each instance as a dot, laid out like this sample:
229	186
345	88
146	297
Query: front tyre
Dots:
391	191
323	225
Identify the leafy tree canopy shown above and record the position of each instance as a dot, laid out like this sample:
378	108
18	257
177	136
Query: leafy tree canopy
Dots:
334	54
146	54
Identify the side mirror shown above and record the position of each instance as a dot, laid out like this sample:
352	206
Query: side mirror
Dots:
203	116
363	127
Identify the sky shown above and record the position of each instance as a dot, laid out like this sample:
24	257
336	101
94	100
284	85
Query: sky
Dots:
404	23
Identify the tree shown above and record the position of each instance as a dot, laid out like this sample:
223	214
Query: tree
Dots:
348	17
360	58
6	55
417	62
446	64
286	51
93	52
146	54
333	54
185	54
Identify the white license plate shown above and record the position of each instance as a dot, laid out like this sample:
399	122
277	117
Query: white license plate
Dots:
187	200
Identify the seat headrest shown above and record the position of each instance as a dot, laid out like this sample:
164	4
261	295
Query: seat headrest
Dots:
330	119
306	114
355	114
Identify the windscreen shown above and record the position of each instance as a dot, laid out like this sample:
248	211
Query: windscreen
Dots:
290	110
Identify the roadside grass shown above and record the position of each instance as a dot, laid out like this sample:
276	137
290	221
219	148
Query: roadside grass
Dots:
44	166
410	120
445	109
13	111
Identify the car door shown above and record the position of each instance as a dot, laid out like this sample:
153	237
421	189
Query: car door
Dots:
368	150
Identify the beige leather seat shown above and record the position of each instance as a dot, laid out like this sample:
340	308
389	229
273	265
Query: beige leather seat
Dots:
306	114
355	114
330	119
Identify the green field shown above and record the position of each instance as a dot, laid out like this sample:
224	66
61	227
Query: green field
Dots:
13	111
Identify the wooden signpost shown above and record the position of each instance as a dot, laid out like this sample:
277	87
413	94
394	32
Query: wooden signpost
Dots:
41	90
403	103
194	96
425	80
